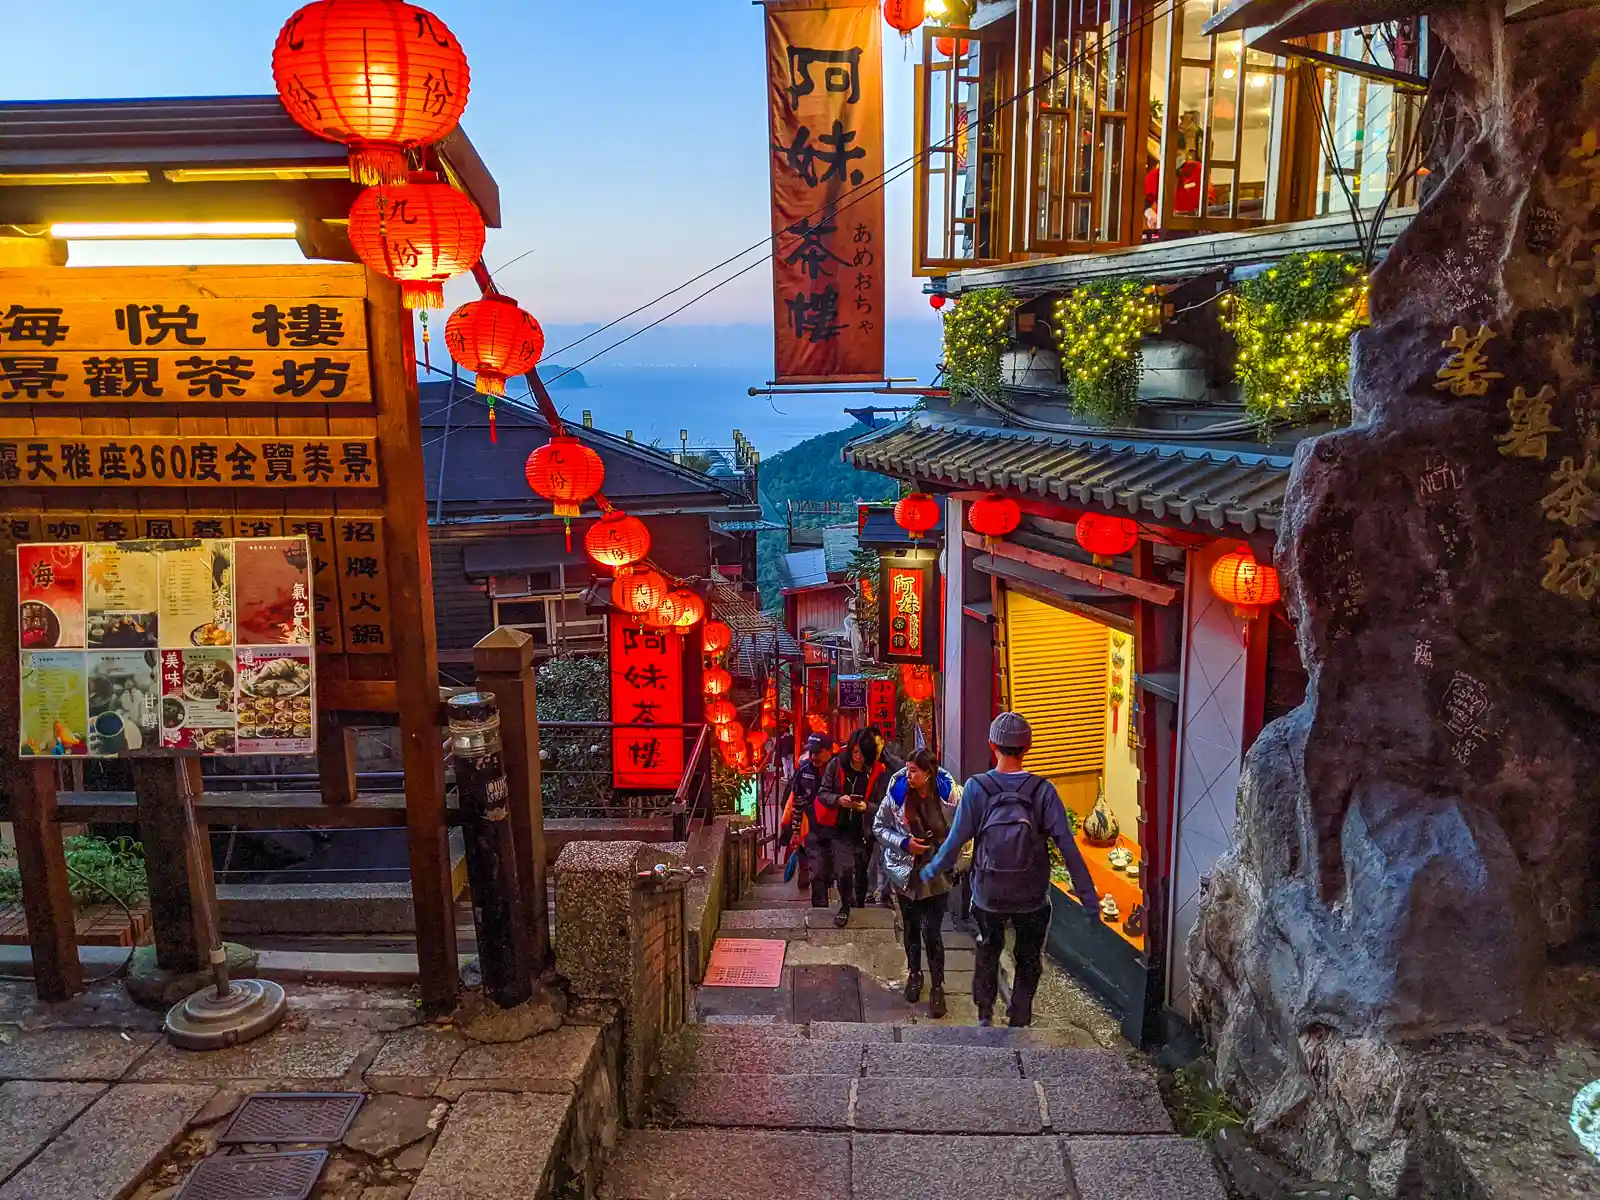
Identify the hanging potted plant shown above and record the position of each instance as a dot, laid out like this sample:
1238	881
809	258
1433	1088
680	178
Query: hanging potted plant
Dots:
976	332
1098	329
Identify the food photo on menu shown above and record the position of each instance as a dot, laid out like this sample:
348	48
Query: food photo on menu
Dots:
55	710
121	595
50	592
272	592
276	705
196	606
197	700
124	702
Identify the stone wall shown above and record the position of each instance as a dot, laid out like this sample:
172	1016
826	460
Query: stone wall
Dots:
1420	839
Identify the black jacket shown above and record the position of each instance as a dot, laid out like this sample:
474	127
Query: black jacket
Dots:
840	781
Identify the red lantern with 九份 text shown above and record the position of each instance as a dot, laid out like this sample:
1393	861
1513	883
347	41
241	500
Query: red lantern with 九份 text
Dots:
494	339
617	540
916	514
565	472
661	616
716	682
1105	536
904	16
420	233
1243	582
382	76
721	712
716	637
917	683
994	516
688	610
638	591
730	732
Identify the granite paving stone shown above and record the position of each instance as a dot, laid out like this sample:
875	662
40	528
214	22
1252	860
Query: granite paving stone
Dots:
323	1054
940	1106
759	1101
753	1055
1033	1037
943	1062
421	1054
696	1164
1107	1104
552	1062
827	935
495	1146
850	1031
388	1124
111	1146
33	1113
766	918
922	1167
860	918
1065	1065
73	1054
1143	1168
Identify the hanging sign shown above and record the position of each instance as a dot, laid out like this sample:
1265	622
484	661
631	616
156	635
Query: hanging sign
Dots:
852	692
49	462
646	707
150	648
825	103
819	691
881	705
908	610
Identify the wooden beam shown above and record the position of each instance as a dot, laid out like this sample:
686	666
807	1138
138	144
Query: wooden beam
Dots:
358	695
336	761
159	786
250	810
1110	581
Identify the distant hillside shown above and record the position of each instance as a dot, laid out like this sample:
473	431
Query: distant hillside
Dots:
811	470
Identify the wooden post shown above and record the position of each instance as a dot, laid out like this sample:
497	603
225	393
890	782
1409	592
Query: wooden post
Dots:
336	760
160	786
504	660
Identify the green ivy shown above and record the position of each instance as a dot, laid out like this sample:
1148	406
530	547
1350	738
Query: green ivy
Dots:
1293	324
976	332
1098	329
98	872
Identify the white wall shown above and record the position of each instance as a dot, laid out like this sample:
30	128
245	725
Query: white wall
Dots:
1122	763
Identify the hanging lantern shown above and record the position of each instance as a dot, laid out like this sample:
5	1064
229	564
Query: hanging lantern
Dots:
994	516
817	723
494	339
382	76
730	733
1245	583
947	46
904	15
715	638
916	514
617	540
756	739
421	232
1105	537
565	472
661	616
937	301
688	610
917	683
721	712
716	682
638	591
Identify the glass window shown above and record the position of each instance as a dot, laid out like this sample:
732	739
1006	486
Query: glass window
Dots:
1368	129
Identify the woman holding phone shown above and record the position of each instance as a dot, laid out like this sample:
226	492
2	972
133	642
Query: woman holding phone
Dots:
912	822
854	784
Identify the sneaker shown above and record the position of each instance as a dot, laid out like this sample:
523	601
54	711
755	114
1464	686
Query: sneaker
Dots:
913	987
841	918
936	1008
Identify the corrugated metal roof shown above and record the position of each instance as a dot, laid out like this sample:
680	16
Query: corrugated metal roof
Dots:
805	568
838	547
762	526
1190	485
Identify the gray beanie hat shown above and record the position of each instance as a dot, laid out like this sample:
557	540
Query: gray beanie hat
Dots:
1011	730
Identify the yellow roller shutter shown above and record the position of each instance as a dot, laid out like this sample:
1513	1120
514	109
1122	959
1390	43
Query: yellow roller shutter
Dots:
1056	674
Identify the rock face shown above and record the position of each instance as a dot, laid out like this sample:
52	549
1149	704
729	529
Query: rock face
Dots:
1422	833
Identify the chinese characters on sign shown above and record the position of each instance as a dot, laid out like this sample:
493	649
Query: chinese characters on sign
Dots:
908	611
819	690
646	707
825	100
362	582
227	461
881	706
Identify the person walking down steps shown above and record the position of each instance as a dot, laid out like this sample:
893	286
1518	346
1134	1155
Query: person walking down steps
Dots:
912	822
1010	814
854	784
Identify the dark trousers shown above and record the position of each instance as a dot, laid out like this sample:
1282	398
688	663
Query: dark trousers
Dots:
828	854
922	925
991	940
858	859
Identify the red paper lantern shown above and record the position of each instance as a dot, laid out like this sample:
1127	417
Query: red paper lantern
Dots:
716	637
1105	537
917	682
721	712
817	722
617	540
716	682
730	733
994	516
661	616
1245	583
916	514
756	739
947	46
638	591
904	15
494	339
381	76
566	472
421	233
937	300
688	610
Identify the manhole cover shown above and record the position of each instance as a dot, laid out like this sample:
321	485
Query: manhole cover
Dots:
287	1176
280	1117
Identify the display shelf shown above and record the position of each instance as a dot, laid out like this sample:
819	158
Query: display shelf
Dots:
1127	892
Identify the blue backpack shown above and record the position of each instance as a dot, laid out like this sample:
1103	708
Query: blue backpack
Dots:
1009	855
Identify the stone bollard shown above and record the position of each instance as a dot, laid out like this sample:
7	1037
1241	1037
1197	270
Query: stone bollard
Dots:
620	938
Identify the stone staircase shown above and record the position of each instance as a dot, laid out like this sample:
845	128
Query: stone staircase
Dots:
885	1104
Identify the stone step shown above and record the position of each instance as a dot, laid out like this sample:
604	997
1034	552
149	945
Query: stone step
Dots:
753	1050
1032	1038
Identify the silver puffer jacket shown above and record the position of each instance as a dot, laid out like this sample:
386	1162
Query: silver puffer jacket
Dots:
892	832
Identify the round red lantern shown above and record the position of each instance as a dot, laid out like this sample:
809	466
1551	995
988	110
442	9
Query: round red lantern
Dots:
661	616
756	739
904	15
716	682
716	637
638	592
688	610
730	733
1105	537
421	232
994	516
937	300
617	540
381	76
916	514
917	682
494	339
565	472
947	47
817	723
1245	583
720	712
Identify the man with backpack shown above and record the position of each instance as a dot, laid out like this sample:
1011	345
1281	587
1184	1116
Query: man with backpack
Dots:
1011	814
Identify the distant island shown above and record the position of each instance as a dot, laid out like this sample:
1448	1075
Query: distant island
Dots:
574	379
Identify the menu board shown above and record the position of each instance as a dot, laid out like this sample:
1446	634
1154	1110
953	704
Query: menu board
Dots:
169	647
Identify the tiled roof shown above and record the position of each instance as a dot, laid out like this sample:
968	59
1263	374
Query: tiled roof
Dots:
1187	484
731	605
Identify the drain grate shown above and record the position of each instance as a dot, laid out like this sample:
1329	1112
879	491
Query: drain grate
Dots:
287	1176
292	1117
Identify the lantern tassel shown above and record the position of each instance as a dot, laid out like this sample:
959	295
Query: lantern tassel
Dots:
494	433
427	363
490	385
372	164
568	524
422	293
